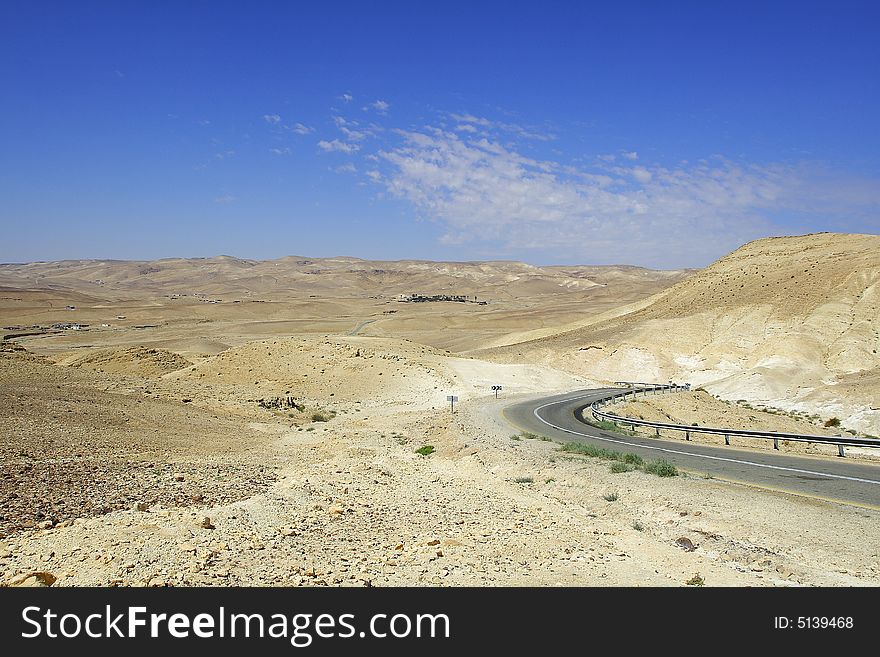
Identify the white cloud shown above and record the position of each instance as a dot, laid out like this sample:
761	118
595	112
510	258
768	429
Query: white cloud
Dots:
630	155
337	146
223	200
346	98
380	106
469	123
272	119
301	129
482	190
280	151
641	174
346	168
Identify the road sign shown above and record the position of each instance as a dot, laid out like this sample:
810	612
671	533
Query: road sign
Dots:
496	390
452	399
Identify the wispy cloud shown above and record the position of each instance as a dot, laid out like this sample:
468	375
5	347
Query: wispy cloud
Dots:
301	129
346	98
484	191
474	124
280	151
337	146
225	199
380	106
272	119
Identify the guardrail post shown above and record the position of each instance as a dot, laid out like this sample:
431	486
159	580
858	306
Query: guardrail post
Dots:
776	443
658	431
726	439
687	435
841	451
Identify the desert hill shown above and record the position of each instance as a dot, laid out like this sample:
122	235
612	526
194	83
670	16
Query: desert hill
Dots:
295	275
200	306
793	321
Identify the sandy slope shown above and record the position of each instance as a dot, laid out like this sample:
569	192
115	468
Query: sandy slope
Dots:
350	502
791	321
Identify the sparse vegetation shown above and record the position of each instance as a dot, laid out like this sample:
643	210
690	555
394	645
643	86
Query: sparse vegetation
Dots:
833	422
523	480
639	527
661	468
623	462
611	497
425	450
527	435
696	580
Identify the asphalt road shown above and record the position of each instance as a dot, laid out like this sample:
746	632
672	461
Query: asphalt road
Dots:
832	478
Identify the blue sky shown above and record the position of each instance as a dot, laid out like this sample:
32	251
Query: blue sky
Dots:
659	134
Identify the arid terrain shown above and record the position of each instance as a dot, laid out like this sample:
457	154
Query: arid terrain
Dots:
234	422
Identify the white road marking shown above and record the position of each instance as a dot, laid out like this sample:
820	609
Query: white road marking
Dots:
683	453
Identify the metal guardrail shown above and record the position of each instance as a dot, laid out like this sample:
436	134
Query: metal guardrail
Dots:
841	441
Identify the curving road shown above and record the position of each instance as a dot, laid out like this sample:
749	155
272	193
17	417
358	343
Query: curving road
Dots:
831	478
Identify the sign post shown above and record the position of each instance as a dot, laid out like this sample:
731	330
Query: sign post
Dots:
496	390
452	399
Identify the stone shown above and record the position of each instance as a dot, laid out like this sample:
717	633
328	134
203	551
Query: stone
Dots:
205	523
178	477
37	579
141	506
685	544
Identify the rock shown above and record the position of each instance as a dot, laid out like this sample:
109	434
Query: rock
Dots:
337	509
178	477
46	524
37	579
685	544
205	523
141	506
434	542
399	546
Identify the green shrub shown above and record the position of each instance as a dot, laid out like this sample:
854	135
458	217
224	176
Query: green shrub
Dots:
523	480
696	580
619	466
425	450
661	468
611	497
